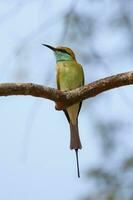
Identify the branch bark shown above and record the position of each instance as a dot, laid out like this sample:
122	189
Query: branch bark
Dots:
65	99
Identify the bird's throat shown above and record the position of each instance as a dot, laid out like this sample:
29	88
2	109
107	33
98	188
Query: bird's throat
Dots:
63	57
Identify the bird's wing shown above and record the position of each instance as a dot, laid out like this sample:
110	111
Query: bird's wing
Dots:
67	116
82	84
57	80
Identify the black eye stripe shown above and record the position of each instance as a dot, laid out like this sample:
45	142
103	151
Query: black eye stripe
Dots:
64	51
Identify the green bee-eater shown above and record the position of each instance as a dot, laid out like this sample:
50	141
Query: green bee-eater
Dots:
69	76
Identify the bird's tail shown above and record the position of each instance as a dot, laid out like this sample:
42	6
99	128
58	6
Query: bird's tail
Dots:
74	137
75	142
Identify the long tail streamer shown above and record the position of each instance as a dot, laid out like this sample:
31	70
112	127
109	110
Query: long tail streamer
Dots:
77	160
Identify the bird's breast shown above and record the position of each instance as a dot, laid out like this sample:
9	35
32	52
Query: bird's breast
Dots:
69	75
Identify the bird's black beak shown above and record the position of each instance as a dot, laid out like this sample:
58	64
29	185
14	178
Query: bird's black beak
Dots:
50	47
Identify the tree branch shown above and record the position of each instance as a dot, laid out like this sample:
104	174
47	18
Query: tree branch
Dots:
64	99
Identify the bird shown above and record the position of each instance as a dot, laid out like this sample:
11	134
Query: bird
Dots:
69	76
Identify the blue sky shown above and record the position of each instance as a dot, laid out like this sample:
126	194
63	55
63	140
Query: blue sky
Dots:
35	160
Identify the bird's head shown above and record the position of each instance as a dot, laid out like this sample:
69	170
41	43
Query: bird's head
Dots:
62	53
